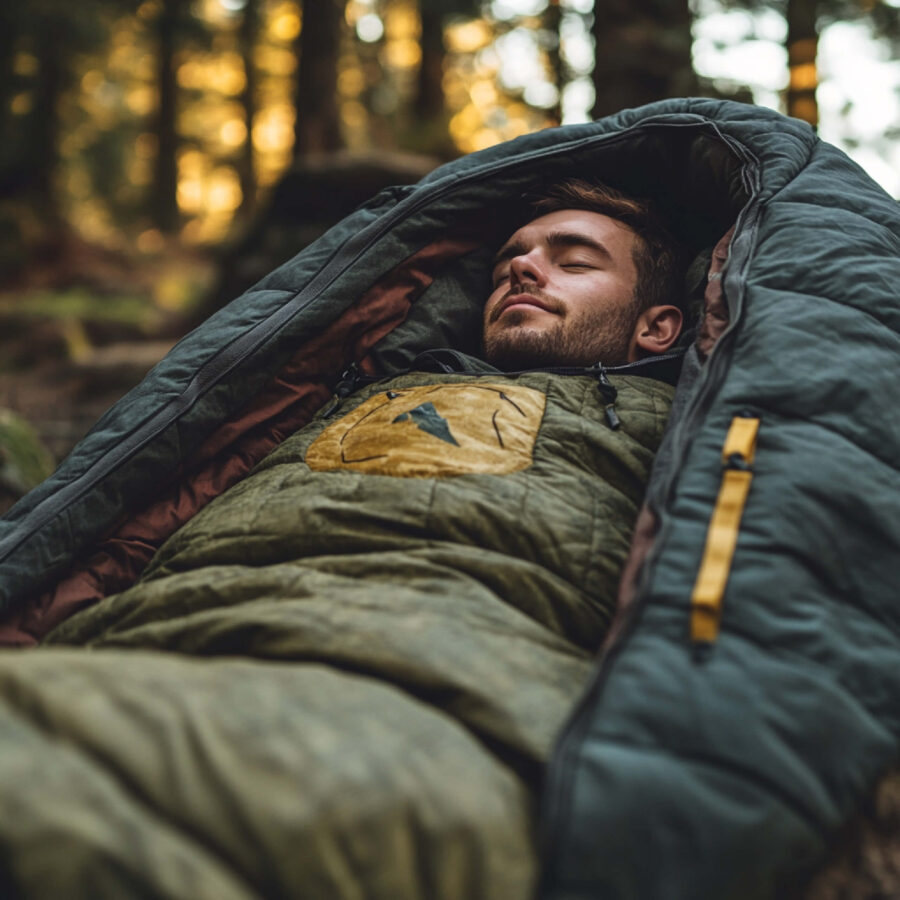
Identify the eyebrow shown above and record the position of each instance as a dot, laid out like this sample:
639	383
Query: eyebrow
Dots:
554	239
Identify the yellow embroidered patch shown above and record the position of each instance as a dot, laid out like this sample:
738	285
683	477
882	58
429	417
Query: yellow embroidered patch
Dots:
432	430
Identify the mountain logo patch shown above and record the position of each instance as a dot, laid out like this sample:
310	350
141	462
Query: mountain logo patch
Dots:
435	430
430	421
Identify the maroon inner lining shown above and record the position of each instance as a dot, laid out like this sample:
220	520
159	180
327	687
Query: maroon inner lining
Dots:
287	402
712	324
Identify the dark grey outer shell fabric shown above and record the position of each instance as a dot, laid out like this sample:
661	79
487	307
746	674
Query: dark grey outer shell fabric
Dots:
720	775
725	774
677	153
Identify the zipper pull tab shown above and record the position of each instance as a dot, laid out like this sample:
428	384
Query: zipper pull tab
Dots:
342	389
609	396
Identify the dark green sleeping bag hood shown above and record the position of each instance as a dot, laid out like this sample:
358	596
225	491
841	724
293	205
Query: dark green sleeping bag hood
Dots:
712	763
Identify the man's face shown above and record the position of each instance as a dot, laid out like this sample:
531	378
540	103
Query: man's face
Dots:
563	293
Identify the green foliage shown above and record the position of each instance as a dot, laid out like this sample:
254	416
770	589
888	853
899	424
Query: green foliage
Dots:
82	305
24	460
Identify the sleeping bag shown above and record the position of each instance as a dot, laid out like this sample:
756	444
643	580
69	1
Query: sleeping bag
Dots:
734	723
412	636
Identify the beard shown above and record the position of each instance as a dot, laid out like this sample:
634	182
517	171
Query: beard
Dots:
600	335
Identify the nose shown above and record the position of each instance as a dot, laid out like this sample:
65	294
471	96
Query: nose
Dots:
526	269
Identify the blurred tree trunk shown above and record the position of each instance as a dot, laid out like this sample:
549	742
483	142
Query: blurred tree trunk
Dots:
247	36
428	131
802	46
163	198
51	36
9	35
558	72
43	151
642	53
318	124
14	170
429	102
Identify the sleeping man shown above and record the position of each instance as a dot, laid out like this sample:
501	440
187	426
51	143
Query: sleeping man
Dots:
371	641
591	280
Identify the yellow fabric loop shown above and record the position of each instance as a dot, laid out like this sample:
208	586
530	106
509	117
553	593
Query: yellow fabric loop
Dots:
721	539
741	440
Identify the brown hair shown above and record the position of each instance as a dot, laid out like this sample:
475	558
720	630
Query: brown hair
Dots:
656	254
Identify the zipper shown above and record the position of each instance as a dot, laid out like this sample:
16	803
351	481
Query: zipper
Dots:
568	745
351	378
738	453
344	387
609	399
600	371
719	359
244	345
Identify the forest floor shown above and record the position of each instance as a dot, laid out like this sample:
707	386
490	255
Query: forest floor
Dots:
62	398
70	347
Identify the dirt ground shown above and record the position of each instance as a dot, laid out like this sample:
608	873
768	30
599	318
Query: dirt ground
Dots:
62	399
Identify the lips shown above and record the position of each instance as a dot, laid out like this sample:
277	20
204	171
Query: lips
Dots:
520	299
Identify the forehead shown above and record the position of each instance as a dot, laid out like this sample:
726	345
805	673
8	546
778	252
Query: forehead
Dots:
614	235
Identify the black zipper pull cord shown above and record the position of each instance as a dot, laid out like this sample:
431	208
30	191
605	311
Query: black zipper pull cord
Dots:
344	387
609	398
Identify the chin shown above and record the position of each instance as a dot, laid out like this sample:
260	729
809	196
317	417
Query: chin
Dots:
520	347
512	349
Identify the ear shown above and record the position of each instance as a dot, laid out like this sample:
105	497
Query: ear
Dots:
657	328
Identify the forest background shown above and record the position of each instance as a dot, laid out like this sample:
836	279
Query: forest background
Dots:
159	156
